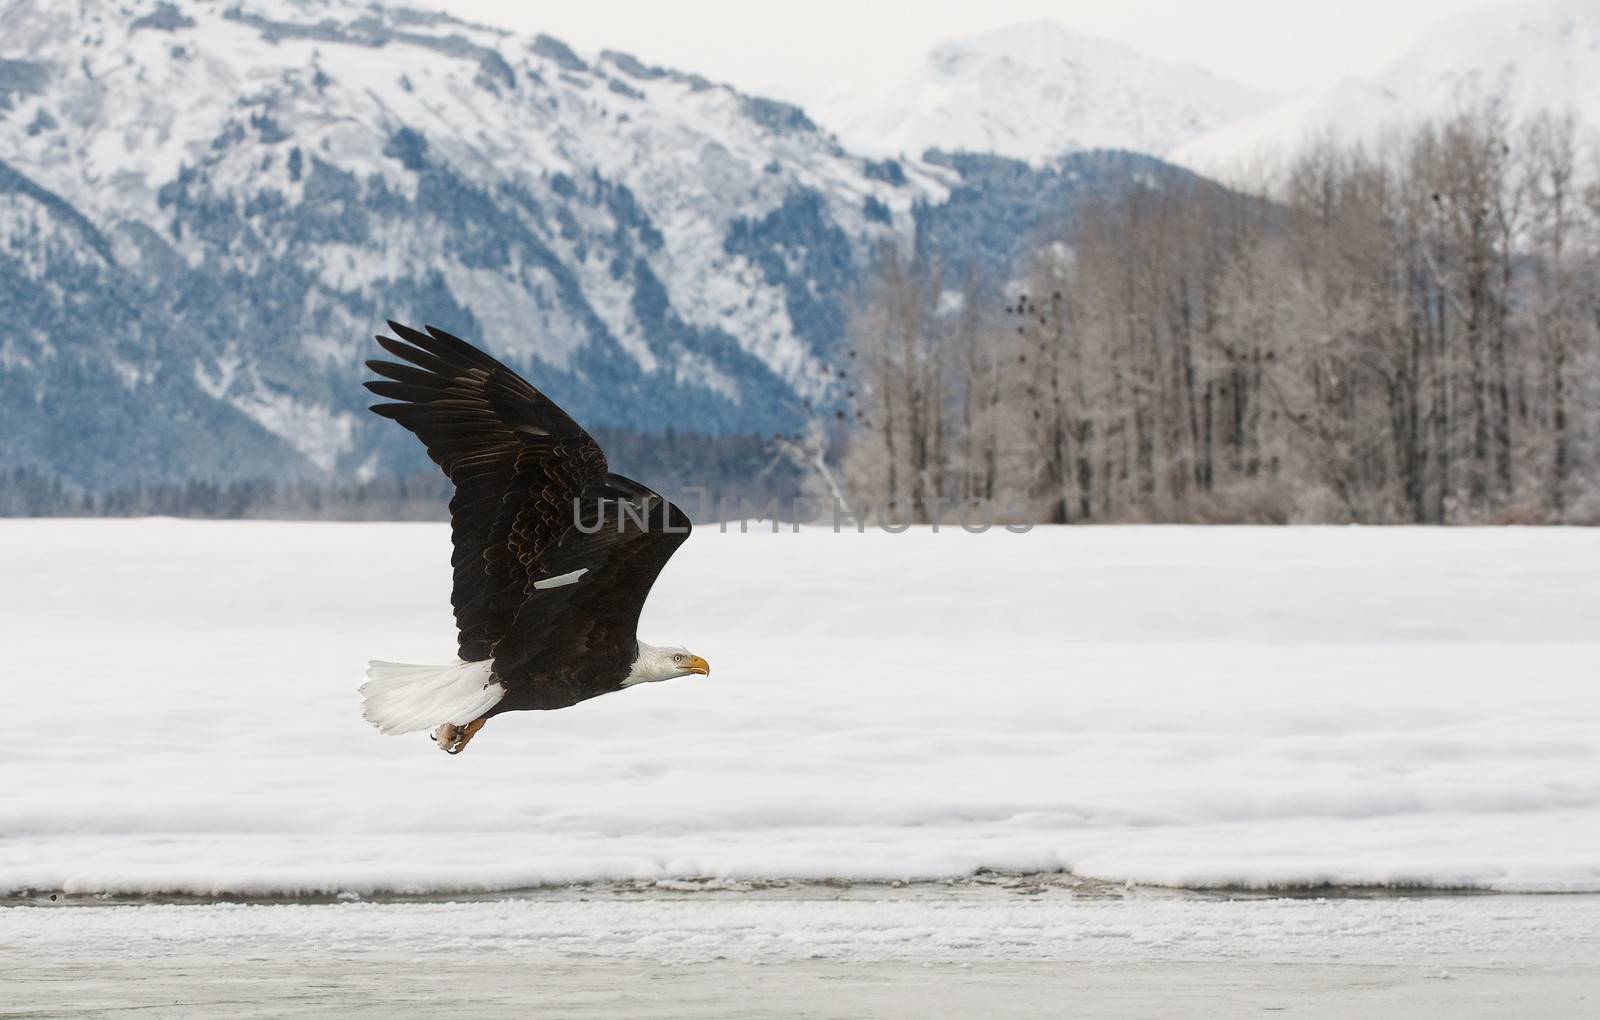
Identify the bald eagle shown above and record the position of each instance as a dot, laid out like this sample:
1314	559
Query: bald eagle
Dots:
554	554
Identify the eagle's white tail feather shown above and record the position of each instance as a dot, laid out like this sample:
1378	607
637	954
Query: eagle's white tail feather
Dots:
403	698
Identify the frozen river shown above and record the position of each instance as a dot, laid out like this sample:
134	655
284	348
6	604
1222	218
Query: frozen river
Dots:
811	951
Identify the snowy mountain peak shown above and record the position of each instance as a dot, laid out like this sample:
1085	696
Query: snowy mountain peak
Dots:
1034	91
1527	58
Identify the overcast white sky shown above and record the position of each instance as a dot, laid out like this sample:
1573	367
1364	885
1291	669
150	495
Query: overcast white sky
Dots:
793	49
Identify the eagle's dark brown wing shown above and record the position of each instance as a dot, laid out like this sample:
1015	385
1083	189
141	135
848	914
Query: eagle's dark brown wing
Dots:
518	463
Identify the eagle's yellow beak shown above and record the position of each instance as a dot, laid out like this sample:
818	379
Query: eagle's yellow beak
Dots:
697	665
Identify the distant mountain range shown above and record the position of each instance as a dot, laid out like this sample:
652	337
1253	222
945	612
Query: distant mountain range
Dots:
1036	91
207	207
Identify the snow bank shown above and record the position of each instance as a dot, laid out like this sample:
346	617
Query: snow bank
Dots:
1257	707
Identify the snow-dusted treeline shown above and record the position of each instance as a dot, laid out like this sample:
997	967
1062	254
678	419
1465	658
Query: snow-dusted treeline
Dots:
1403	335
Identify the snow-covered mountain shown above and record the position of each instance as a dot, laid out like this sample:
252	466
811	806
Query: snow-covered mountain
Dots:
1033	92
1530	57
206	208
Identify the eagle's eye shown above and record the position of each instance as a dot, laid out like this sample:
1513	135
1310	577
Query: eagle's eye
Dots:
677	658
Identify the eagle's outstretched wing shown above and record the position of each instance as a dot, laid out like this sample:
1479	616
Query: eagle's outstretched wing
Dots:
554	556
517	461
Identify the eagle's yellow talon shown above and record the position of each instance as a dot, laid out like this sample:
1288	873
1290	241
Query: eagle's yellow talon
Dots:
452	738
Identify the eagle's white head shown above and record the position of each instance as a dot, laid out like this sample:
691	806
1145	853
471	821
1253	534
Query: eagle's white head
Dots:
655	664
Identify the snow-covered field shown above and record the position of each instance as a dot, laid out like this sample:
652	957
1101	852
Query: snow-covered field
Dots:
1180	706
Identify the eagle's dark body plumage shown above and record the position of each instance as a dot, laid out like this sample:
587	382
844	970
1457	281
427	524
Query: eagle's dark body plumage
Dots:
534	502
